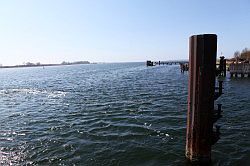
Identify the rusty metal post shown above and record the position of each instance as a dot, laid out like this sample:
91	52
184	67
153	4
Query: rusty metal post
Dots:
224	67
221	67
202	70
220	87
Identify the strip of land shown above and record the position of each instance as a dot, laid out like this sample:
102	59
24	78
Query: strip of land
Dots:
43	65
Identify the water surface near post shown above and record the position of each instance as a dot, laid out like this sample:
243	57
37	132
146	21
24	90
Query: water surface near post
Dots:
110	114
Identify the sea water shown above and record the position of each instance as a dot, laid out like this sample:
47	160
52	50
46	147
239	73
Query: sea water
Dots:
111	114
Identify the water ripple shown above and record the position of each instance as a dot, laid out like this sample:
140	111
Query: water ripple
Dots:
110	114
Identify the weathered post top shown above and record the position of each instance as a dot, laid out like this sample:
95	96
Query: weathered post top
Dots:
202	71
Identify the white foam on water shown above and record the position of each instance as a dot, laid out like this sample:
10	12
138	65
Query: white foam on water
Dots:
32	91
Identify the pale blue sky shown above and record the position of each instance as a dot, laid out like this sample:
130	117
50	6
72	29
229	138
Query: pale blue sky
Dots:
52	31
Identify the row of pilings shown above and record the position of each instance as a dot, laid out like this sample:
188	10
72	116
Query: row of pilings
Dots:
154	63
239	69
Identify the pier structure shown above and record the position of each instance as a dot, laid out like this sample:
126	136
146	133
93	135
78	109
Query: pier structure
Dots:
242	69
154	63
183	64
201	133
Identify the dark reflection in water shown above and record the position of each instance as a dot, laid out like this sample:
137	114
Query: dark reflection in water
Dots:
110	114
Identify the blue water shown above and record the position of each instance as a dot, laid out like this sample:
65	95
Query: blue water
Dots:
111	114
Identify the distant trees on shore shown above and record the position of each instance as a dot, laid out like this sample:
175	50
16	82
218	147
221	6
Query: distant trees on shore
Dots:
243	55
74	63
30	64
63	63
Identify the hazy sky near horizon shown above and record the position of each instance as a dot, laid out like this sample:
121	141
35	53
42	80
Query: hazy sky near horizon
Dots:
52	31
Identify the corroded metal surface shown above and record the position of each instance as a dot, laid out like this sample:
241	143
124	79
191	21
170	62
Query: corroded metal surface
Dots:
202	71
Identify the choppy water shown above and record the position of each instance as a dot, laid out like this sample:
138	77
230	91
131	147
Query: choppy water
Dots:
110	114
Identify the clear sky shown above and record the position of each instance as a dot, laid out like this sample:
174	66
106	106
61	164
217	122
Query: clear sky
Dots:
52	31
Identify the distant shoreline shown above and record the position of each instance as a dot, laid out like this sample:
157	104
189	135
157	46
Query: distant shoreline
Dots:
46	65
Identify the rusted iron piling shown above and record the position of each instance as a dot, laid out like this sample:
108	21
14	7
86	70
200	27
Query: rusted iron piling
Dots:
201	95
222	66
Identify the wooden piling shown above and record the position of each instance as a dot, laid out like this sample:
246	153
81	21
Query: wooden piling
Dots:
202	68
240	69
